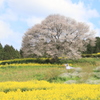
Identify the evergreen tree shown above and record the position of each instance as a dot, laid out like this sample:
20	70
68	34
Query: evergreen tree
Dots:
17	54
90	49
21	53
97	46
10	52
93	49
1	52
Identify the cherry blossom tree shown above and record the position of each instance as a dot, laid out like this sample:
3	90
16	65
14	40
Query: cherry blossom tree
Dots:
57	36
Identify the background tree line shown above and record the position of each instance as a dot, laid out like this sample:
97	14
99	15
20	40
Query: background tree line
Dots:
93	49
8	52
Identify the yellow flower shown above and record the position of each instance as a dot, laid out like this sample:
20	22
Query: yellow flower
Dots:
42	90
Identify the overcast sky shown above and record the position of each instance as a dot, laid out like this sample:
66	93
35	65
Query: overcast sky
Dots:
17	16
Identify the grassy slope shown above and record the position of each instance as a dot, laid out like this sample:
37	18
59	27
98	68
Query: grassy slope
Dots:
25	73
28	73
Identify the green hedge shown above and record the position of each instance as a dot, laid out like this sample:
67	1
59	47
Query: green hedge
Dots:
25	60
49	60
91	55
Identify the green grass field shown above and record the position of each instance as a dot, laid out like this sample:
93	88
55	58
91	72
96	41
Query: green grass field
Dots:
25	73
43	72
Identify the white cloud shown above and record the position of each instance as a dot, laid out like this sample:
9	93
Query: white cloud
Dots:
1	3
15	40
9	15
98	32
93	13
8	36
43	8
33	20
5	30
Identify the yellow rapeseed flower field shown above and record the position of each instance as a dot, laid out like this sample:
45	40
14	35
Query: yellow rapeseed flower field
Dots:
42	90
